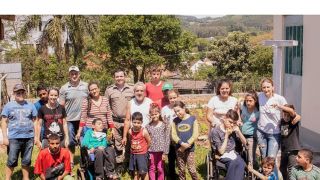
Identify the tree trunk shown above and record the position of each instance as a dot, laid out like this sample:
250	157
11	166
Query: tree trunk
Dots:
135	74
142	74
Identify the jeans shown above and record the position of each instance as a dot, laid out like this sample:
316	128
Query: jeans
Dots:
268	143
104	162
252	146
73	127
235	168
23	146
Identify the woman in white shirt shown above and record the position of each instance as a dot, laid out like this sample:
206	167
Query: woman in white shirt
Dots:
270	117
219	105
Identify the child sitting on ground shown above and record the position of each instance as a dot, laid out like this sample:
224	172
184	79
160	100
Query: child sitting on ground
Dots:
305	169
268	164
104	156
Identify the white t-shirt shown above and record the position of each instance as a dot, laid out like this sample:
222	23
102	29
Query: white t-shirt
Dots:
221	107
143	108
168	113
270	116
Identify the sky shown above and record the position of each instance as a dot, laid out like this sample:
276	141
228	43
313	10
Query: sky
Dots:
198	8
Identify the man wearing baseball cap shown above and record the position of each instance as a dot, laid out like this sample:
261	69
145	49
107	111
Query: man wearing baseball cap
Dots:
18	118
71	96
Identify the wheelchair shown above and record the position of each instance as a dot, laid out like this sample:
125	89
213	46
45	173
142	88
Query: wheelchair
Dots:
86	169
217	170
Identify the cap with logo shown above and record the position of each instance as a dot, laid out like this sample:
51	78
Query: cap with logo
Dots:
167	86
74	68
18	87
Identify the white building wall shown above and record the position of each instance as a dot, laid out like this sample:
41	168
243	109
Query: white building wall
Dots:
303	91
310	104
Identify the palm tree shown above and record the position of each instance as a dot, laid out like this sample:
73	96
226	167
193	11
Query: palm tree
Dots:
74	27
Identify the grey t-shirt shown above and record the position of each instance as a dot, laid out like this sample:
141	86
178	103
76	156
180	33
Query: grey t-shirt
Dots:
217	139
73	97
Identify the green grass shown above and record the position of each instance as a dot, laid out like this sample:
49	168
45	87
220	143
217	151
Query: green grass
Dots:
200	163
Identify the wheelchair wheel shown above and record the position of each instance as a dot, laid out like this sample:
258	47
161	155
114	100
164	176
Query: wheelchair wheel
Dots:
80	174
210	167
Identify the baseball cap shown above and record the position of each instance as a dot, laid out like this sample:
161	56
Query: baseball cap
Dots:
18	87
74	68
167	86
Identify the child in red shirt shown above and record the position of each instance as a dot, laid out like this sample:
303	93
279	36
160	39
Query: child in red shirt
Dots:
154	87
140	142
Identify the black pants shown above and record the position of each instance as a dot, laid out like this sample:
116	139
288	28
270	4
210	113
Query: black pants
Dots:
104	161
288	160
172	162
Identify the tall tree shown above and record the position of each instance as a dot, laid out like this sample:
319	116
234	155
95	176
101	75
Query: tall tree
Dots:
137	42
231	55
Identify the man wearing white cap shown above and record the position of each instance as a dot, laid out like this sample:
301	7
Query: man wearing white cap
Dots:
71	96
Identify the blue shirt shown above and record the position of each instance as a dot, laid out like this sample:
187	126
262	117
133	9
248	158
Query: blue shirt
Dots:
20	119
184	129
249	120
273	176
39	104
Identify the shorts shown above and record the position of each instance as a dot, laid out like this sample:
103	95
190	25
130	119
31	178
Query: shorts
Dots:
19	146
139	162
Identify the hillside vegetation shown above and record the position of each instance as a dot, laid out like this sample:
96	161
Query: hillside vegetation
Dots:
220	26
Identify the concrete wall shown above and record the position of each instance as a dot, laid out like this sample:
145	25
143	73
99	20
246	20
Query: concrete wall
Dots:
310	103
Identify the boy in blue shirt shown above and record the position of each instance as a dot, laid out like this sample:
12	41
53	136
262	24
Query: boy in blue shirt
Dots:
269	172
104	156
18	118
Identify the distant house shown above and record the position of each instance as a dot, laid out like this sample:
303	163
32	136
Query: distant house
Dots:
189	86
14	76
195	67
35	34
4	17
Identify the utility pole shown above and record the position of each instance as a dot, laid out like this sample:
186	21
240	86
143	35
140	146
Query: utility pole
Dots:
277	72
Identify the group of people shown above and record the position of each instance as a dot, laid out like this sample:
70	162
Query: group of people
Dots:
262	121
133	127
138	127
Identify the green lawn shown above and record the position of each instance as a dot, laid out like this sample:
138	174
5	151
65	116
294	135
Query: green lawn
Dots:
200	160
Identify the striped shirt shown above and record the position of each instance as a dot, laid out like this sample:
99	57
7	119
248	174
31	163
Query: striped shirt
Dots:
299	174
103	112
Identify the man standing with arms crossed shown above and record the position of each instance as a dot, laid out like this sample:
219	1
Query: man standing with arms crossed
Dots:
71	96
119	94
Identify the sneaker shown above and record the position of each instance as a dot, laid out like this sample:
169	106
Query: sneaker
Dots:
113	176
120	168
